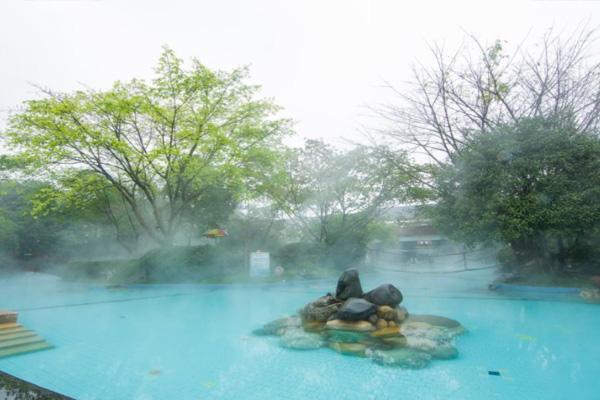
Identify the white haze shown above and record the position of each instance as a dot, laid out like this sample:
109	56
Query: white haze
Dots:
323	61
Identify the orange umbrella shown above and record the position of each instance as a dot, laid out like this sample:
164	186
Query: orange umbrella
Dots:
215	233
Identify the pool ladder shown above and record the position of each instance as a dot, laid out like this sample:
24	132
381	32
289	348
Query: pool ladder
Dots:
15	339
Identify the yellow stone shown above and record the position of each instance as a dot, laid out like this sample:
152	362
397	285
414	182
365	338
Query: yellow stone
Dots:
385	332
313	326
360	326
392	323
381	323
386	312
396	341
357	349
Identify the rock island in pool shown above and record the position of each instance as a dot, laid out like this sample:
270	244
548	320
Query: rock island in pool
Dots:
372	325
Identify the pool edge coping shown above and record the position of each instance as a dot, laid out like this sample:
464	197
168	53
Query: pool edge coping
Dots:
10	383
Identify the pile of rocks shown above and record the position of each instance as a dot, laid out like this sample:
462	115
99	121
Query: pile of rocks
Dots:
371	324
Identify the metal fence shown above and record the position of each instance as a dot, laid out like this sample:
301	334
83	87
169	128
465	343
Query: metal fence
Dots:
443	260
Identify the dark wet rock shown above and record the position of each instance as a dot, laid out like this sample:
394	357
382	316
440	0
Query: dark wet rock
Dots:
356	310
278	326
326	300
400	357
383	295
348	285
373	319
434	320
321	314
299	339
321	310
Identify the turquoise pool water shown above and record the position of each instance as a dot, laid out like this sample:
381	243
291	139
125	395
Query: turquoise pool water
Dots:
194	342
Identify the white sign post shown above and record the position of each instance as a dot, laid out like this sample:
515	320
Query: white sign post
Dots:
259	264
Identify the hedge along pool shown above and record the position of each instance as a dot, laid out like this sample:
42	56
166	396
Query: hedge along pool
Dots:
195	342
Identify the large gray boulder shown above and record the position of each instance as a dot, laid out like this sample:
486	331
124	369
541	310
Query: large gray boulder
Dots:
348	285
384	295
356	310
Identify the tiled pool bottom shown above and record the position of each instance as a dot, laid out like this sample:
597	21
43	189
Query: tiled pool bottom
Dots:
194	343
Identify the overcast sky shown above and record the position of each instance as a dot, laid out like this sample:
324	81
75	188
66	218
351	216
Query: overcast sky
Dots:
323	61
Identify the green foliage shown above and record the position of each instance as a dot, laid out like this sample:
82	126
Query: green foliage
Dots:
335	196
22	235
533	185
299	255
159	146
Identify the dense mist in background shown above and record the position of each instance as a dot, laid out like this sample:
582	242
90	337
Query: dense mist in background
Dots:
493	147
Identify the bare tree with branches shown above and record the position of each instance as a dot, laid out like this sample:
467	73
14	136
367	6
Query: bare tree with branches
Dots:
479	87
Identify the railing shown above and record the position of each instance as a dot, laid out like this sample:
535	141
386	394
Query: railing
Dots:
432	261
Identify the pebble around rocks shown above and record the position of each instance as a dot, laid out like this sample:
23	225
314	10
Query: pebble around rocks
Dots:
386	312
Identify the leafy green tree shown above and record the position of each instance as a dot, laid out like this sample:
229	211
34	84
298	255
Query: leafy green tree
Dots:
23	236
158	144
334	195
86	200
533	185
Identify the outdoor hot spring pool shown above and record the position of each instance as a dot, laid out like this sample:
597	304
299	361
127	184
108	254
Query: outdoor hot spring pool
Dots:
195	342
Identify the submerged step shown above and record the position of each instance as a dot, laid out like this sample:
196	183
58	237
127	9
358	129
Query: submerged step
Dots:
15	339
10	331
9	325
16	335
25	348
7	317
20	341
